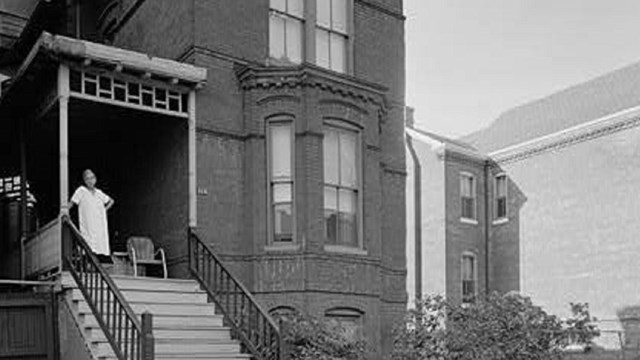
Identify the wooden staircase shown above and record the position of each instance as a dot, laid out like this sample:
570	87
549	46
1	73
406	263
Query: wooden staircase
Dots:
185	325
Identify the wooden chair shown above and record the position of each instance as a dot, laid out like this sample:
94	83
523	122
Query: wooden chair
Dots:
142	252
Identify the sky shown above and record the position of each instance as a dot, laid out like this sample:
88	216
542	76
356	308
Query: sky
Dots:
470	60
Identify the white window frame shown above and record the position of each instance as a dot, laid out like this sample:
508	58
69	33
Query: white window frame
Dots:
287	15
342	125
497	218
472	255
272	242
474	195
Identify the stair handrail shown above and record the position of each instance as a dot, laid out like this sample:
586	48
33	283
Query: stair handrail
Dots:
253	326
130	338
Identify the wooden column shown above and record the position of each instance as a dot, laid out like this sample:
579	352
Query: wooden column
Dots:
23	194
193	196
63	101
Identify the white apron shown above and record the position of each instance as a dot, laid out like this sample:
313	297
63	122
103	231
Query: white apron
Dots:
93	218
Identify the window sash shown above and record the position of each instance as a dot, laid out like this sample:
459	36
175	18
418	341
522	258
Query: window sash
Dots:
286	35
468	207
342	186
280	145
501	196
469	279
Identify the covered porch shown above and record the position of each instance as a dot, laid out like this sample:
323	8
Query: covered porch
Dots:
75	105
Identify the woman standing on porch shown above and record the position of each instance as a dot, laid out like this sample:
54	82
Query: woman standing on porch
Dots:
92	212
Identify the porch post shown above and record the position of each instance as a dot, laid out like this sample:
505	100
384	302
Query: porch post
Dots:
192	160
63	100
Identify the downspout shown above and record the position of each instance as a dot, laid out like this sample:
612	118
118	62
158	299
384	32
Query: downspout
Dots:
417	204
487	219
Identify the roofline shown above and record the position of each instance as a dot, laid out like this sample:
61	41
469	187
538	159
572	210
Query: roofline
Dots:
137	61
595	128
445	145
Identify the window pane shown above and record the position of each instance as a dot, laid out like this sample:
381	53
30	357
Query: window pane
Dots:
276	36
330	198
501	207
468	208
338	50
331	214
347	231
281	193
466	186
322	48
501	185
296	8
280	138
294	40
283	222
467	268
331	157
339	15
348	156
323	13
280	5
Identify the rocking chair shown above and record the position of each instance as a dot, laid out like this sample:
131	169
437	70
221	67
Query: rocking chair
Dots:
142	252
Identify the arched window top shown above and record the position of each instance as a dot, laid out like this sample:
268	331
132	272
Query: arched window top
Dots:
283	310
343	123
344	312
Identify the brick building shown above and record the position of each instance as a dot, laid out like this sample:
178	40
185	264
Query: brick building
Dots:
570	165
460	227
298	172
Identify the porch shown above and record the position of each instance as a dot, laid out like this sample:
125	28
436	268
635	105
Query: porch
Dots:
75	105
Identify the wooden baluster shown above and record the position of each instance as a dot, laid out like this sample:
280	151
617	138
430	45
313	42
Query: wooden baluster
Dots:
147	340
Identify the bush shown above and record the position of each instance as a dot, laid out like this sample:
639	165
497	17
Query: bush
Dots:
309	338
498	327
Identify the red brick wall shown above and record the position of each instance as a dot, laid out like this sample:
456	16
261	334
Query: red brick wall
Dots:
462	237
231	163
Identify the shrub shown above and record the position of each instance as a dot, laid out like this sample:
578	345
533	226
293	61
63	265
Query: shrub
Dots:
310	338
498	327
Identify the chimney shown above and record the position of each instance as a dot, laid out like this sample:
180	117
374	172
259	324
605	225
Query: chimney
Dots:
408	116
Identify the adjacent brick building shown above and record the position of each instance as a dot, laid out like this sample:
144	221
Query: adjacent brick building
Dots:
570	224
300	158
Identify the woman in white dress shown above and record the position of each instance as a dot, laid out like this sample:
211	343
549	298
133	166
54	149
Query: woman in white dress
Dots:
92	212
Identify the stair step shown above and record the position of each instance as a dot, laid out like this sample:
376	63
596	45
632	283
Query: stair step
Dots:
173	322
188	356
177	347
160	308
156	296
148	283
163	335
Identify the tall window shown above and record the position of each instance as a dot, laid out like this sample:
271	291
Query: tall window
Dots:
468	196
280	145
332	34
501	196
468	278
286	30
341	185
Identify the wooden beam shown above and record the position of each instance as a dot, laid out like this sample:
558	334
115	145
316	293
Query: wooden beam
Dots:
193	196
63	98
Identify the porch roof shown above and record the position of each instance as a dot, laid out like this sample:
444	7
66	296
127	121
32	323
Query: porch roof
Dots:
57	48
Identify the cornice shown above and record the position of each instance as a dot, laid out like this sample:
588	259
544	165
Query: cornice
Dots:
311	76
604	126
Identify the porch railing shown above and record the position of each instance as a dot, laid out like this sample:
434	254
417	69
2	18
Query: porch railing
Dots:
42	250
129	337
254	327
